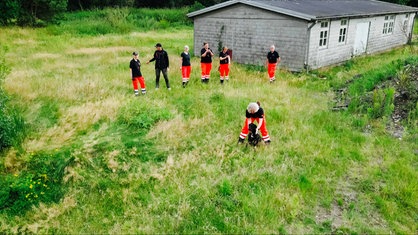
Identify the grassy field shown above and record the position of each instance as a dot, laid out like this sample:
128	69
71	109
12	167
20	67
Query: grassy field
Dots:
169	162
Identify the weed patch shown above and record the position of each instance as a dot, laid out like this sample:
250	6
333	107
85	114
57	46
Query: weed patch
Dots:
41	181
389	92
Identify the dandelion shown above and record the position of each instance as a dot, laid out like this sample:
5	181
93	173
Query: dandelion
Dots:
45	176
30	186
16	175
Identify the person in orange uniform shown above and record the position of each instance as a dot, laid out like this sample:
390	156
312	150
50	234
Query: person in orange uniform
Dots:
273	59
135	67
185	66
206	62
224	61
254	113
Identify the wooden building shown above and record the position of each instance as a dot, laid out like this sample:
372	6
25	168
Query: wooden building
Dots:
307	33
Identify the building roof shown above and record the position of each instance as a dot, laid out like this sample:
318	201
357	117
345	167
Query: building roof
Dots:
318	9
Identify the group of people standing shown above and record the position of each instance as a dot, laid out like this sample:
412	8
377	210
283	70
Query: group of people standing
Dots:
206	55
253	113
162	64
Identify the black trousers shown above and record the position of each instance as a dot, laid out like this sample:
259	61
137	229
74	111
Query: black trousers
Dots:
157	77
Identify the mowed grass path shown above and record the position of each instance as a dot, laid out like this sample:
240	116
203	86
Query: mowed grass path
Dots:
321	174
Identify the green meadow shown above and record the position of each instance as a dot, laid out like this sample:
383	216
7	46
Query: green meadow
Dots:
96	159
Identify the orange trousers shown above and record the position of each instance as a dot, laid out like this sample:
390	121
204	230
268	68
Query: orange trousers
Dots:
139	80
206	68
224	71
263	129
271	69
185	72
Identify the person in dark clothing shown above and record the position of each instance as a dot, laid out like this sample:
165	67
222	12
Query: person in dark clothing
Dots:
162	64
135	67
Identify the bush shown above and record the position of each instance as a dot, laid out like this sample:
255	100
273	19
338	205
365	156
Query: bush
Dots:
9	11
152	19
196	6
30	12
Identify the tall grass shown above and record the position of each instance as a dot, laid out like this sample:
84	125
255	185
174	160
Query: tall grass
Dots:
11	122
168	162
121	20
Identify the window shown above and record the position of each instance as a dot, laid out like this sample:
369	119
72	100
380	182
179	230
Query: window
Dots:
388	24
343	31
323	35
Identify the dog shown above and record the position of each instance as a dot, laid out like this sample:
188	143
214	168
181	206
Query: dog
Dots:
253	137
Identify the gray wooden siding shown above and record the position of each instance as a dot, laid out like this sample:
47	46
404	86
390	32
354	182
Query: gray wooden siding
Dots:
250	31
377	42
335	52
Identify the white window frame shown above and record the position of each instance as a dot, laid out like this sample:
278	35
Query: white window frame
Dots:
324	34
342	37
388	24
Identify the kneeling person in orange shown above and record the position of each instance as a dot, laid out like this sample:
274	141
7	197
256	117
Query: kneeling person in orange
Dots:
254	113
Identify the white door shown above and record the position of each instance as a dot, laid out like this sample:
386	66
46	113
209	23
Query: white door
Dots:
362	36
